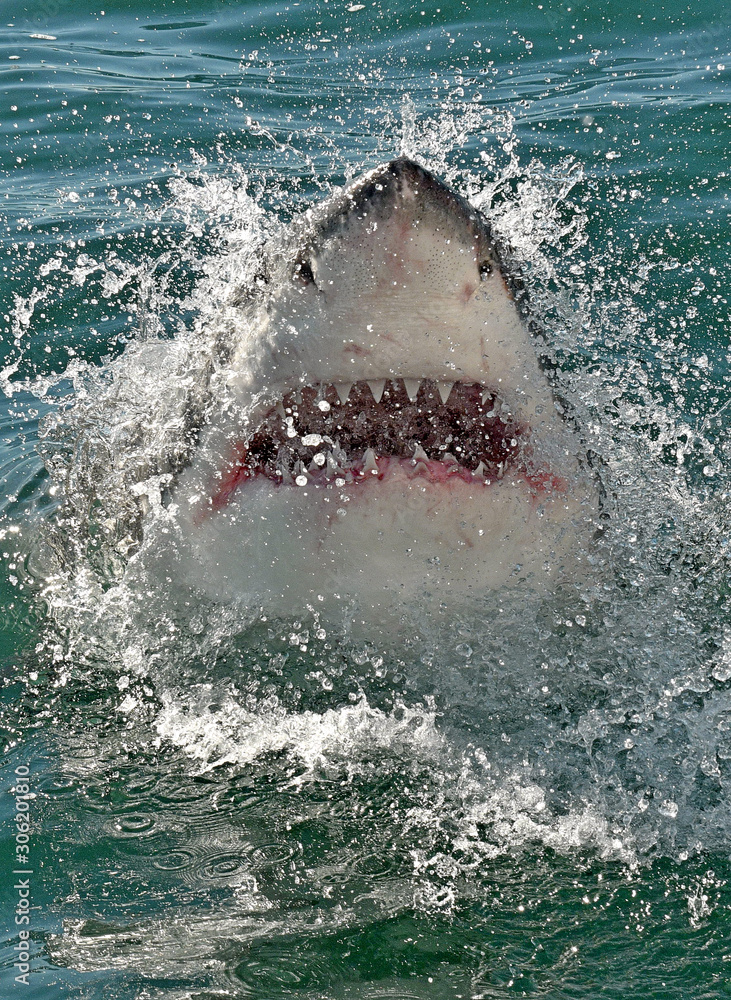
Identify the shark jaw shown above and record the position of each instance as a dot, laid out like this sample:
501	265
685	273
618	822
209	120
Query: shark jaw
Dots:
385	431
345	434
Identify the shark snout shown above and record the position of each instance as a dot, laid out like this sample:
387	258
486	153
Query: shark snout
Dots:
396	276
404	196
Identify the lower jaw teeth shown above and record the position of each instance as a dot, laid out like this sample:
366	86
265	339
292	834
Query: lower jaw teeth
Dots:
369	462
333	466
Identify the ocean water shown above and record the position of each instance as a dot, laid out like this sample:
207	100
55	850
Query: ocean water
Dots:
533	802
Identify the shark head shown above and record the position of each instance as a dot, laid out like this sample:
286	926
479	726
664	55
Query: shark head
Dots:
386	432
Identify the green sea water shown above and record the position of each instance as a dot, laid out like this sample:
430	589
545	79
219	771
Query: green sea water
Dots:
536	803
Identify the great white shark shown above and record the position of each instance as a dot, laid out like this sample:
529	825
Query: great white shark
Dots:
384	431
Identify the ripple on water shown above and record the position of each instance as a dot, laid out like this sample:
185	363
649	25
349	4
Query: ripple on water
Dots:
132	825
142	783
378	864
227	868
397	992
198	859
178	789
268	855
274	968
178	860
56	786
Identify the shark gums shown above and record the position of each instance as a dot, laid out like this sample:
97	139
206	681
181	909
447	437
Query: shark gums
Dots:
385	432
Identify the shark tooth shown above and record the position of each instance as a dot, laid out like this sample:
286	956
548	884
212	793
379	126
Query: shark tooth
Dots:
449	459
377	386
369	461
420	469
445	388
420	455
343	391
480	470
338	454
412	387
301	476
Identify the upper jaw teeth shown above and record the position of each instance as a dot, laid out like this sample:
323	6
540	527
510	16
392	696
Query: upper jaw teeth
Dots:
377	386
411	385
445	389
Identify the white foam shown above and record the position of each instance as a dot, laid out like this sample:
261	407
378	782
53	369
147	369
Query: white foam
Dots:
516	813
489	814
234	734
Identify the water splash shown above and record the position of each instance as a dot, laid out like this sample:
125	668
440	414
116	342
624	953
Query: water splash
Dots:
596	721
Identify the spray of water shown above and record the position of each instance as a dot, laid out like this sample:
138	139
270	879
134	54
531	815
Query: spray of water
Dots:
597	720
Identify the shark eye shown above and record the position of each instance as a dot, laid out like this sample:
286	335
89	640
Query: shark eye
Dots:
303	272
485	269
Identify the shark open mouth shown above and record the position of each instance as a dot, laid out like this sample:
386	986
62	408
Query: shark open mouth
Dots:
347	433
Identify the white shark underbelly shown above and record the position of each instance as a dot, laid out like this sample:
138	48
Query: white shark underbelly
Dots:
384	431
